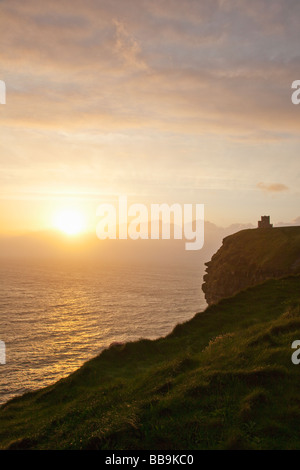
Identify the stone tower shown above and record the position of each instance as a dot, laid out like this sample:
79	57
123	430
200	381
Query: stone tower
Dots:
265	222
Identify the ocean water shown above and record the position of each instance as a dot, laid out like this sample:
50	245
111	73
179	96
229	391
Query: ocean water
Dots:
56	316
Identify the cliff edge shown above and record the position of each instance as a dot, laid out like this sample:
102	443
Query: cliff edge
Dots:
250	257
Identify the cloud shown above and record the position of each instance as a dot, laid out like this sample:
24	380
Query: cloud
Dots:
296	221
127	46
219	67
272	187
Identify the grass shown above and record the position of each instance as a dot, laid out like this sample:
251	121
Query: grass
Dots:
273	249
223	380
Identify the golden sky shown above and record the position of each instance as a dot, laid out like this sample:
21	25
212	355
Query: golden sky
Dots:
183	101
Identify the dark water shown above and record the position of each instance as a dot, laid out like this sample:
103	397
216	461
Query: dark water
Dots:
55	316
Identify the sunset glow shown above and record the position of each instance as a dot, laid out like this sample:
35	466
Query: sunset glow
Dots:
69	221
149	227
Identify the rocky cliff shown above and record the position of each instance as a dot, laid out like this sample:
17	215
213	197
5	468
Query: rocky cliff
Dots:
248	258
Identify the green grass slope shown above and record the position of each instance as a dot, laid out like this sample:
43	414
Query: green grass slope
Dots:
223	380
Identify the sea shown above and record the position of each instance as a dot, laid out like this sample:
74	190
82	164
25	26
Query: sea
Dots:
56	315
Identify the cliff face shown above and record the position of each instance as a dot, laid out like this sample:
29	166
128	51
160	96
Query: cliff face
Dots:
249	257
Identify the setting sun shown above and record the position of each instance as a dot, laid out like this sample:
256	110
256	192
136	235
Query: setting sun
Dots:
69	221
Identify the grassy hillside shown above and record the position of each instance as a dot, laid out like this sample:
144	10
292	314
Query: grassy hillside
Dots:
249	257
223	380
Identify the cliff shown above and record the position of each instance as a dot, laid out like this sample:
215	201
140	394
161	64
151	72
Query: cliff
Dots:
250	257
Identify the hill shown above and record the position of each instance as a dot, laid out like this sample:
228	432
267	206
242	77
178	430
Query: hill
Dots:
223	380
249	257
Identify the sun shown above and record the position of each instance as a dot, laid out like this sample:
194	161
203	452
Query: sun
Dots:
69	221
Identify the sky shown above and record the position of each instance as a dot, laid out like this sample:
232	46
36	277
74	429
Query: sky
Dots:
165	101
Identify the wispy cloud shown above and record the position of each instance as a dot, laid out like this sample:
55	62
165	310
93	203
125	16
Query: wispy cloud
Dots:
219	67
128	47
272	187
